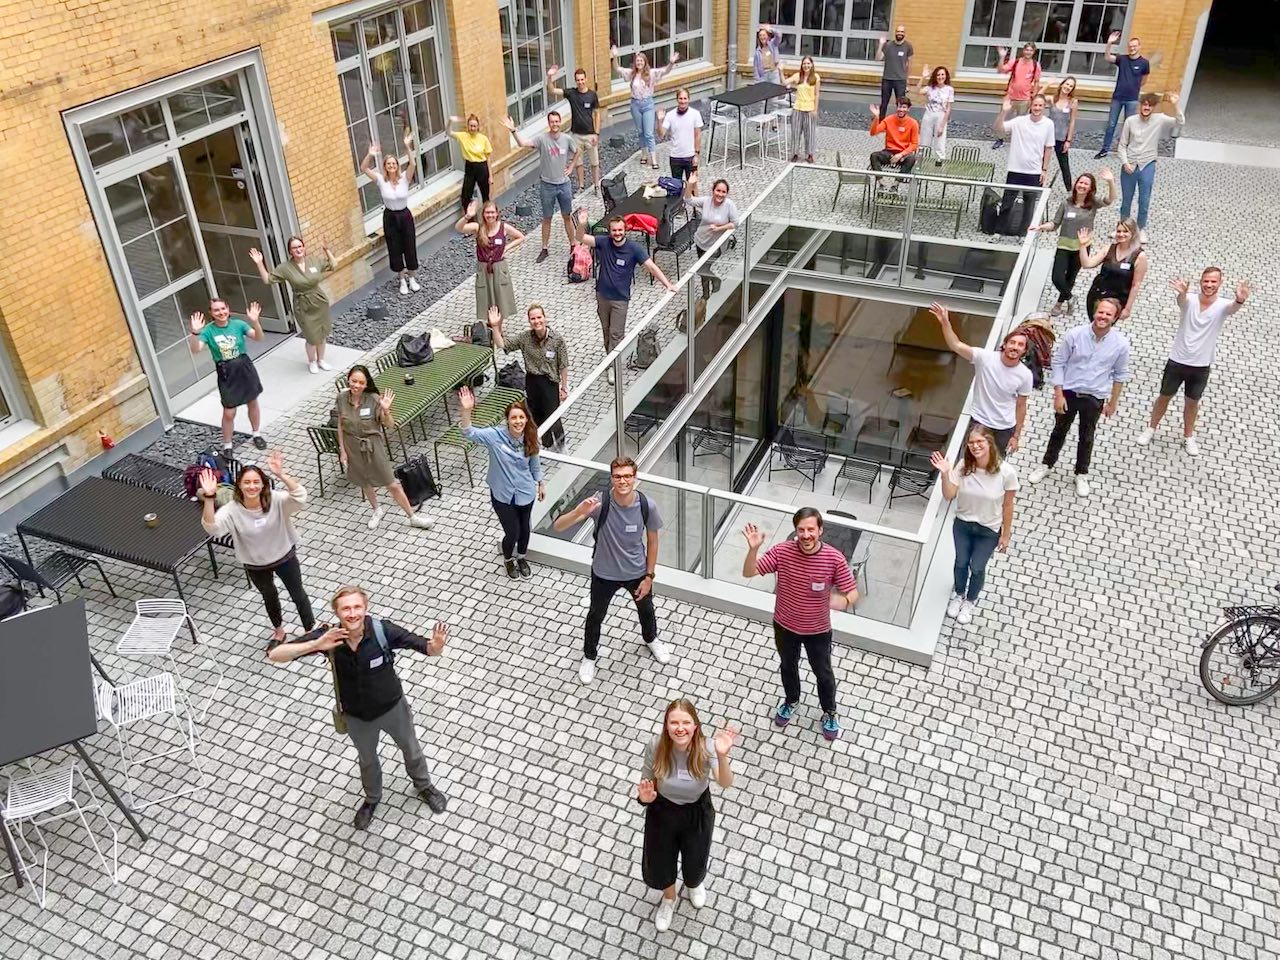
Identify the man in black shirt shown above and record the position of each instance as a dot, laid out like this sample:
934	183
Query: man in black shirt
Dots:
584	123
370	698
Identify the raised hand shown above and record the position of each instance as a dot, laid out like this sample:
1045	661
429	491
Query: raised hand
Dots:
754	535
331	639
197	323
589	505
508	123
472	208
453	119
208	482
495	316
662	115
254	311
675	58
439	635
647	792
939	463
1084	235
1106	174
1242	290
1003	52
725	739
1173	98
466	398
255	255
1115	37
408	140
1179	286
613	51
875	111
941	312
375	148
552	70
385	400
275	462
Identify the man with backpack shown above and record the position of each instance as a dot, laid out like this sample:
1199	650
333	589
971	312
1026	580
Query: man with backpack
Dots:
369	697
619	258
1024	82
546	366
625	558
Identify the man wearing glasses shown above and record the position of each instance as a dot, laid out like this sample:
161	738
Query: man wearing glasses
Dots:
624	558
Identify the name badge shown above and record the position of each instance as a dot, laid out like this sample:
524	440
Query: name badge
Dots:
1071	216
364	412
260	522
1125	266
497	241
375	662
315	269
817	587
684	774
551	354
621	263
902	53
632	527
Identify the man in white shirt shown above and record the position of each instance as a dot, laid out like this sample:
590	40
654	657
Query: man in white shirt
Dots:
1030	149
1191	355
685	129
1001	382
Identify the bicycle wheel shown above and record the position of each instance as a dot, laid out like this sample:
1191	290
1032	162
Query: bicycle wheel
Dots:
1240	664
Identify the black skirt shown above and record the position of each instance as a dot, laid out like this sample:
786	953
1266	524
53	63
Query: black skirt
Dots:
238	382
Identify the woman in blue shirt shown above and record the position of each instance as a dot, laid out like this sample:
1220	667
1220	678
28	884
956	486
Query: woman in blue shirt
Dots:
515	476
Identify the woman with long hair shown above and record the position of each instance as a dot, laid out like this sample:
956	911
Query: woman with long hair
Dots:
363	415
398	229
804	112
494	240
643	81
515	476
476	148
675	790
1075	213
304	275
939	96
260	522
766	58
983	487
1062	111
1123	267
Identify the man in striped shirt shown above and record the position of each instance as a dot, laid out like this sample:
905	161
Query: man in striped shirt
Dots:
813	579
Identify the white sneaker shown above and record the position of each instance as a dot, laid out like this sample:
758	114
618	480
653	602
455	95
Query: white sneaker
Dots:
414	285
323	365
404	287
609	376
1058	309
661	652
1142	237
1146	436
697	895
313	367
587	673
954	606
420	520
376	518
1039	473
1082	486
965	613
666	910
1189	444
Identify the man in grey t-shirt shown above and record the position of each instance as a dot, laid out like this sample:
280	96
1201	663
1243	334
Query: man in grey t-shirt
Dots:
557	154
897	67
626	557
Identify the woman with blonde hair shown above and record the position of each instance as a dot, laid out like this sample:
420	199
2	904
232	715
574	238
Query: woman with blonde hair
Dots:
939	96
476	148
804	112
304	275
983	487
675	791
398	230
1123	267
1062	111
643	81
494	240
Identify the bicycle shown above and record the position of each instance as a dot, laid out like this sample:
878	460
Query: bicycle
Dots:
1240	661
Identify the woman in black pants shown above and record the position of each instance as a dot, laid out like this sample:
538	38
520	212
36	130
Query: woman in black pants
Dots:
1076	213
476	149
260	522
398	229
1123	267
678	818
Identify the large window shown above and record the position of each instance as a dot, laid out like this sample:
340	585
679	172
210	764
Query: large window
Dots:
827	29
532	43
657	28
390	73
1071	34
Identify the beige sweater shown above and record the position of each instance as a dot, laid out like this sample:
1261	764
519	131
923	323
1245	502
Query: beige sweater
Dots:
260	539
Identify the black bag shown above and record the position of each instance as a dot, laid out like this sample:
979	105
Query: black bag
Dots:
646	350
511	376
416	478
1013	216
414	350
481	334
989	210
13	600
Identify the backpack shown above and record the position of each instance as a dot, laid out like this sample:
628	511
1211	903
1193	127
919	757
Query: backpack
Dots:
414	350
380	634
481	334
207	460
13	600
988	211
646	350
673	185
416	478
1035	72
511	376
579	268
607	499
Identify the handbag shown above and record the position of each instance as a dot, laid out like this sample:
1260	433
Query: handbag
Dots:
413	350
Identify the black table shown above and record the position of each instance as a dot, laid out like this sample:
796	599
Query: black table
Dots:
761	92
637	202
105	517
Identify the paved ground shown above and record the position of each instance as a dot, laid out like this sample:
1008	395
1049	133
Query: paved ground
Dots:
1058	785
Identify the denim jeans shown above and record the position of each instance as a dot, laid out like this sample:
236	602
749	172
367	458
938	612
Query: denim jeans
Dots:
643	114
1130	107
1144	178
974	545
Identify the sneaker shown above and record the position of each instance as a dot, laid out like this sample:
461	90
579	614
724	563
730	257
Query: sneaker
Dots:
420	520
997	144
661	652
1082	485
830	727
1100	155
1189	444
697	895
323	365
666	911
259	441
376	518
542	255
953	607
1058	309
313	367
1142	236
587	670
434	799
414	285
783	715
364	815
523	566
227	452
1039	473
512	571
404	287
965	614
1146	436
609	376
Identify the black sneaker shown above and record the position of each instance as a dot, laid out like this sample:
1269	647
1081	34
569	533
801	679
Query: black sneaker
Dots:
364	815
523	566
434	799
512	572
227	452
542	255
1101	154
260	441
997	144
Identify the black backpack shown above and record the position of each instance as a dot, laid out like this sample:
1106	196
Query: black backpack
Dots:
416	478
481	334
605	499
511	376
414	350
989	211
13	600
646	350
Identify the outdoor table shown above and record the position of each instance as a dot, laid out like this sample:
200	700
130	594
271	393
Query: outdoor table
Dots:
764	91
654	207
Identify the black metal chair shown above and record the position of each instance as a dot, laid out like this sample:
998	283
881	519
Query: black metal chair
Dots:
325	440
848	542
858	471
930	433
806	461
55	571
913	476
877	436
677	240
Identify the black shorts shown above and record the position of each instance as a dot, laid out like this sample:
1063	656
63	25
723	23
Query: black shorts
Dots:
1192	379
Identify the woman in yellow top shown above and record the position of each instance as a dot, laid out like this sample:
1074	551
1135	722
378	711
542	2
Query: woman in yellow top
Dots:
804	112
475	157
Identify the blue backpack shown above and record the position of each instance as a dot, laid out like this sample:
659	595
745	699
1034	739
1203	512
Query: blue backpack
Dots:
673	185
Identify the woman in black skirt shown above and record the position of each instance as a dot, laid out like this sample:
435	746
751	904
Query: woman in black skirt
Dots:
238	383
675	791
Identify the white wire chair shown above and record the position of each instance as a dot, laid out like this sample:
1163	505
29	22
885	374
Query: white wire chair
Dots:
28	801
151	698
155	626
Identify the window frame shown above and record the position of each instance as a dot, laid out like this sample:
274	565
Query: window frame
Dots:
629	50
566	62
1068	49
844	34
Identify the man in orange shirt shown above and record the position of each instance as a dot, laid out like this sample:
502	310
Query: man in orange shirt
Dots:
901	138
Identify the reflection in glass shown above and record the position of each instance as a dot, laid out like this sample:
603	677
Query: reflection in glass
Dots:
128	209
110	138
179	248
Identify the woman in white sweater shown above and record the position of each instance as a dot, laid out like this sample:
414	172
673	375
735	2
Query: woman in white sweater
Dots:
260	522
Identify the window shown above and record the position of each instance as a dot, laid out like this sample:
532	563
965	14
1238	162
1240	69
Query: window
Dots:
827	29
391	81
532	43
657	28
1071	34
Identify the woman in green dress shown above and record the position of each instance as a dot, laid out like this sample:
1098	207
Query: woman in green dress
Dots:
310	305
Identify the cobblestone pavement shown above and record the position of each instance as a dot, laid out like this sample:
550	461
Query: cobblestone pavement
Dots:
1057	785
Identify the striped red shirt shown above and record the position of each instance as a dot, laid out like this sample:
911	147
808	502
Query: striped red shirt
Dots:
802	600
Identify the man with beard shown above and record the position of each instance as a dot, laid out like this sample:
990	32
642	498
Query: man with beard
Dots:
896	55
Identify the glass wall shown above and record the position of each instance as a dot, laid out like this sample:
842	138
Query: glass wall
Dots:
827	29
1071	34
658	28
532	43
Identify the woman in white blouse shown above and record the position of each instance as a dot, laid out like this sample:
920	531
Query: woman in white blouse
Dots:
983	486
397	220
643	80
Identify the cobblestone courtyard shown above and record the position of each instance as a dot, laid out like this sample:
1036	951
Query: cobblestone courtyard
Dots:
1057	785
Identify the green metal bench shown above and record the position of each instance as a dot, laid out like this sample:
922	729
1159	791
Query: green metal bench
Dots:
489	411
889	198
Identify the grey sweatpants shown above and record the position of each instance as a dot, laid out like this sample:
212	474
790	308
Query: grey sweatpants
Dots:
398	722
804	131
